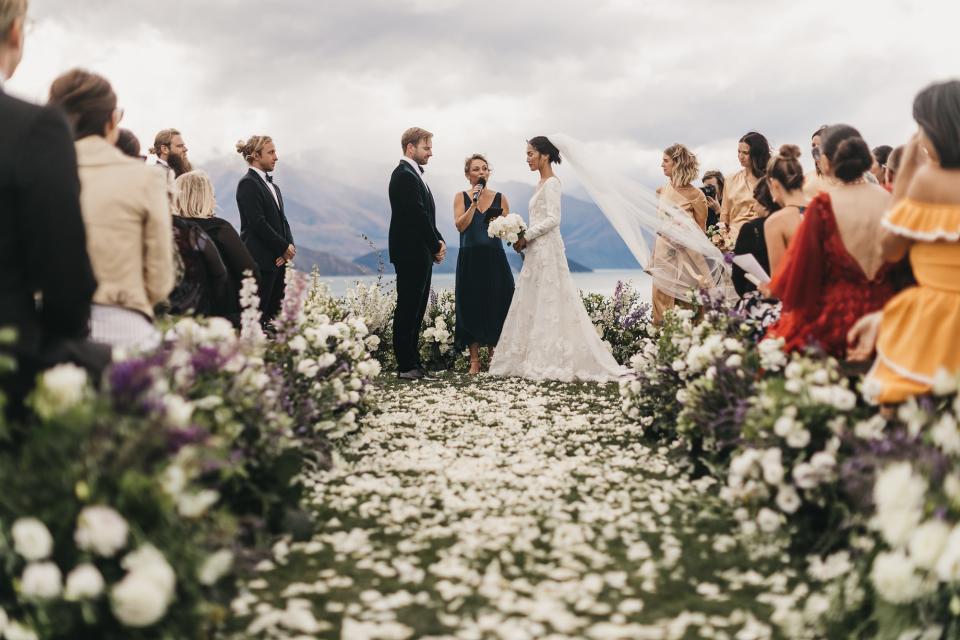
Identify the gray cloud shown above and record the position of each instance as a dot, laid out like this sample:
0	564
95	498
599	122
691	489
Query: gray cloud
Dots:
340	80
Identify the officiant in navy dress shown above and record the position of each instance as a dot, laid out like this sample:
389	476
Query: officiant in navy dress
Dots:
484	280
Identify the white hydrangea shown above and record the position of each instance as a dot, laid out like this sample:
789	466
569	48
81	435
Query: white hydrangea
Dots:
85	582
927	542
101	530
41	581
141	598
31	539
895	578
60	389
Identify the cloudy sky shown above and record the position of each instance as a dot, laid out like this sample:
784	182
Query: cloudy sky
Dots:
335	82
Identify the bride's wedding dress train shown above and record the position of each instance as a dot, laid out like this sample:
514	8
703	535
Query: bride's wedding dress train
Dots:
547	334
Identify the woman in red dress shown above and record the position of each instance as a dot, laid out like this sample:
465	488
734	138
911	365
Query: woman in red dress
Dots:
834	272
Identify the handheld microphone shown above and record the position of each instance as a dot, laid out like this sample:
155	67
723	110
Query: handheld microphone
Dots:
482	182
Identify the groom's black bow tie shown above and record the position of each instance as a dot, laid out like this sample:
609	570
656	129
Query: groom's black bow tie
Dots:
419	166
269	178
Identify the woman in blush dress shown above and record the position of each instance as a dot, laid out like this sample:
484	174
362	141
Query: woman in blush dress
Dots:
834	272
739	206
484	287
680	166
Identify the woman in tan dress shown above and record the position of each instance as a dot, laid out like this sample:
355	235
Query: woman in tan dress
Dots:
681	167
738	204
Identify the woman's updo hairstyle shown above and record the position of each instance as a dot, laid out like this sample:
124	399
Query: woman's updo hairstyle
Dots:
543	146
847	151
759	152
785	167
88	100
937	110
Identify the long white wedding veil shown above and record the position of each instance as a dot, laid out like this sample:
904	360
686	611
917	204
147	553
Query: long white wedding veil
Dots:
664	239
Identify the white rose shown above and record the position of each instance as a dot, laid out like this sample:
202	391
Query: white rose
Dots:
137	601
194	505
820	376
927	542
823	462
326	360
60	389
178	410
946	435
101	530
734	361
948	566
16	631
307	367
298	343
897	488
41	581
895	579
215	567
798	438
83	583
31	539
147	561
805	476
768	520
788	500
944	383
783	426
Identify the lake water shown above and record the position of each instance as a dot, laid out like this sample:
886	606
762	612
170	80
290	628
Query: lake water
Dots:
598	281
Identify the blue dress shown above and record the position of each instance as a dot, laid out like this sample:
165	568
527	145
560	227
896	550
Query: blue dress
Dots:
484	287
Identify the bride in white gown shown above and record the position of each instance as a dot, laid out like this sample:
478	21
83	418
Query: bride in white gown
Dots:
547	334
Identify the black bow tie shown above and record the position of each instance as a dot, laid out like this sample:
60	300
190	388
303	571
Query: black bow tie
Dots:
269	178
421	168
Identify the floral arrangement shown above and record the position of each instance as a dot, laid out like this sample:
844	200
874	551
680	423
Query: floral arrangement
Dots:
721	237
509	228
436	340
622	321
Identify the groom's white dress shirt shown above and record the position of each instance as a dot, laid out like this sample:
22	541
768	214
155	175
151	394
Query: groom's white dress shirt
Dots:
417	169
263	176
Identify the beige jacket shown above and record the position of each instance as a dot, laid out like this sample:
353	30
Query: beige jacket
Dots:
126	211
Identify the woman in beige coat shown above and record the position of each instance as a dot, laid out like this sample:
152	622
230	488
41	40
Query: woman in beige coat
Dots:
126	212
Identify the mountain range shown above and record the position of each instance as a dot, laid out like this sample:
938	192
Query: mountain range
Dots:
340	227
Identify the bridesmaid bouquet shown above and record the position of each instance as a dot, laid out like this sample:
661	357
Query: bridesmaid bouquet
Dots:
509	228
721	237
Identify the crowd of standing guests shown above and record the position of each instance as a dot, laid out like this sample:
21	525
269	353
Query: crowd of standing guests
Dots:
99	238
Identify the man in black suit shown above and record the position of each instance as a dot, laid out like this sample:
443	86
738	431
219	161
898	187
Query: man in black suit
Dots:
46	280
263	225
415	244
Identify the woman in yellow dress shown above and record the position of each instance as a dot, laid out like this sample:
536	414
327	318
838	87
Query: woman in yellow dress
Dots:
919	332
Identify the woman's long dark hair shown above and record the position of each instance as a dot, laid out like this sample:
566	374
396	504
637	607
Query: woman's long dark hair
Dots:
937	110
759	153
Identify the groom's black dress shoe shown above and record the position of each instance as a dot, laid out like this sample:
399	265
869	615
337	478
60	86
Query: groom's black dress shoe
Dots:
426	376
413	374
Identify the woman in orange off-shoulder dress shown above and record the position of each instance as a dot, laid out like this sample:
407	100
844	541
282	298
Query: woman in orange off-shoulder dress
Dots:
833	272
919	332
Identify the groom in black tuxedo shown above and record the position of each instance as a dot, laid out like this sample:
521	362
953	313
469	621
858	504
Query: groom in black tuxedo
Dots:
415	245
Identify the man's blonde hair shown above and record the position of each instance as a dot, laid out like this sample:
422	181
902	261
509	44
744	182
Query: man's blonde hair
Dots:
413	136
194	195
164	138
686	167
10	10
252	147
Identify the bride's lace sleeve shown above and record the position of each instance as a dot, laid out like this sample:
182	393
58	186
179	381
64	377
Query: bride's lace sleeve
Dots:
551	220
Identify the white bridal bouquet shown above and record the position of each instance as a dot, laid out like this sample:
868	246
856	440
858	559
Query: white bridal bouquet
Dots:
509	228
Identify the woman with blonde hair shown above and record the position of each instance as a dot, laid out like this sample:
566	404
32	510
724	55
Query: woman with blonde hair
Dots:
681	167
485	286
195	202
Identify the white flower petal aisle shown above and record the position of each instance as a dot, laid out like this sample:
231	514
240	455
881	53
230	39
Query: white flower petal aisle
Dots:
476	509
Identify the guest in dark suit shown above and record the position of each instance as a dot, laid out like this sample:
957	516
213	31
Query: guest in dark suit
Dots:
263	224
46	281
415	245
